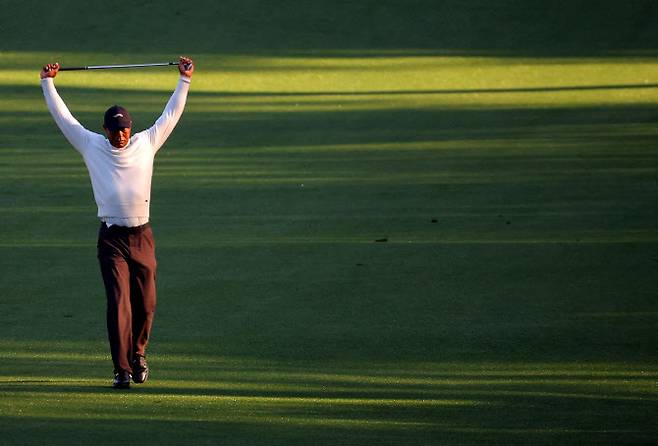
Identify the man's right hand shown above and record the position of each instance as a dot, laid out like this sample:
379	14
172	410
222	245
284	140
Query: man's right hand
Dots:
50	70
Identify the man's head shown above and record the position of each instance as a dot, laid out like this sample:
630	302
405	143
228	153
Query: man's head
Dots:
117	125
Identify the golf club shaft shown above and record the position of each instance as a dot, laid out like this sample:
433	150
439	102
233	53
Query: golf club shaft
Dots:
107	67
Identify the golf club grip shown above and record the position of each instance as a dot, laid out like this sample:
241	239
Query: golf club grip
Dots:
108	67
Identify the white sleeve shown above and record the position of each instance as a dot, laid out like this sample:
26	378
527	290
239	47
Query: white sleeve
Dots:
74	132
165	124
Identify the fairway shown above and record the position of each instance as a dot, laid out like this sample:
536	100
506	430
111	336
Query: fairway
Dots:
377	223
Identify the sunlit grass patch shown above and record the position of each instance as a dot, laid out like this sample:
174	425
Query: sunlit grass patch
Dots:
508	398
303	84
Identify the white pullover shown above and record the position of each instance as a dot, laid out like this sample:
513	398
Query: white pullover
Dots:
120	178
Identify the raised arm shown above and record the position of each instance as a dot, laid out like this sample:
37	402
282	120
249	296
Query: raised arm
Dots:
74	132
165	124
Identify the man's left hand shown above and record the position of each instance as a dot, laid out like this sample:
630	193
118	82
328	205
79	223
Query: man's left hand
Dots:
186	66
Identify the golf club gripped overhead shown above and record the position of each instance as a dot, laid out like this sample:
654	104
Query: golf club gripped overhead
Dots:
108	67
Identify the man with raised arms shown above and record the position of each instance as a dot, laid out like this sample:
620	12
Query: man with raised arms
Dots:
120	166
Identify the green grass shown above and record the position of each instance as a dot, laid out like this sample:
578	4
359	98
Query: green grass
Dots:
233	401
512	175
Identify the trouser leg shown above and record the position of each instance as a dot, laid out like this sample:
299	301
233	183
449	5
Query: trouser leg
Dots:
143	296
116	277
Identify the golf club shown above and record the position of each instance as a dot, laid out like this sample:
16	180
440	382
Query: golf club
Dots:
107	67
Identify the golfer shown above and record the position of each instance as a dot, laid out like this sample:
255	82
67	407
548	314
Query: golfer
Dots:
120	166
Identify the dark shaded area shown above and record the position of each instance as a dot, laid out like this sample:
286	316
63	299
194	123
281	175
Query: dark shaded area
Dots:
232	433
583	128
502	274
472	27
216	129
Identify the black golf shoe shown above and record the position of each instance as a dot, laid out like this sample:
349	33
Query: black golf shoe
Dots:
140	369
121	380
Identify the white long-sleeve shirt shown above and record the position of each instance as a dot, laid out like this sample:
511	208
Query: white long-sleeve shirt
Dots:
120	178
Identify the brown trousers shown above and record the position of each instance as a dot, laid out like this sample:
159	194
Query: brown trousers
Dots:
127	261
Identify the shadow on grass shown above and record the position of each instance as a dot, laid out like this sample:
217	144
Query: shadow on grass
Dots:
222	126
241	401
511	27
501	273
